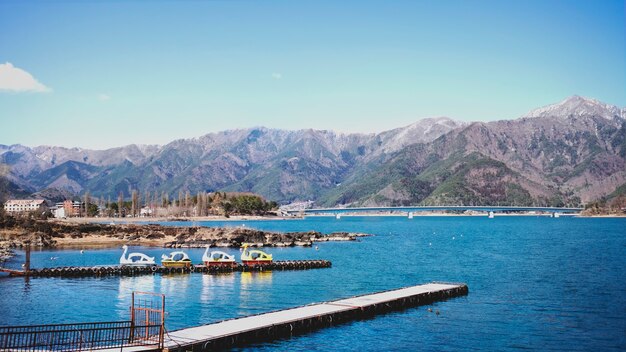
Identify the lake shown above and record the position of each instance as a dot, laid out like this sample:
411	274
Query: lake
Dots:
535	283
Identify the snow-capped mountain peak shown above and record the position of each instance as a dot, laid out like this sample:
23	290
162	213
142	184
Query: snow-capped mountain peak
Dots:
577	106
423	131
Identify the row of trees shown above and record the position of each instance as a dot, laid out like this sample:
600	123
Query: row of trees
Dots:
201	204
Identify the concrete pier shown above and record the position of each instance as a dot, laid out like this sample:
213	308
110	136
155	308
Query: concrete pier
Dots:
288	322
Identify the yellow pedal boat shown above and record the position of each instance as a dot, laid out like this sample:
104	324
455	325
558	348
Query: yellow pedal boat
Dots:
176	259
255	256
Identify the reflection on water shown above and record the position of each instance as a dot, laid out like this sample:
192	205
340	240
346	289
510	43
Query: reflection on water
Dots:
255	288
126	286
175	284
216	295
214	285
26	285
261	277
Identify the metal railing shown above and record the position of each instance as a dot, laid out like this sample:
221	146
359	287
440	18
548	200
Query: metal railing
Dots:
72	337
146	327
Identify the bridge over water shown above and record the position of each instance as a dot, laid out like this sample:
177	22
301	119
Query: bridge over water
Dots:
410	210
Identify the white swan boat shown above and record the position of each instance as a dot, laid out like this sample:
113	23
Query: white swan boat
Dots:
178	259
135	259
218	258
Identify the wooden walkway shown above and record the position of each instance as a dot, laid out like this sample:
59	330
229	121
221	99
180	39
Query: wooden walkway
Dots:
285	323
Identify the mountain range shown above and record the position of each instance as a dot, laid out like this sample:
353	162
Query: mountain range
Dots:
568	153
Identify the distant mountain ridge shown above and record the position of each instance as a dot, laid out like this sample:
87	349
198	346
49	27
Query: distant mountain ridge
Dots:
565	153
579	106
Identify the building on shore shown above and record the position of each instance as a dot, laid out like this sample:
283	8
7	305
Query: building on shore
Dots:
14	206
68	209
146	212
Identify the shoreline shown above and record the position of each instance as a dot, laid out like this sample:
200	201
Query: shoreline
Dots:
86	234
238	218
474	215
147	220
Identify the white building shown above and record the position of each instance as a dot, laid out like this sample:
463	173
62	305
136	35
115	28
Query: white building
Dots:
59	213
145	211
24	205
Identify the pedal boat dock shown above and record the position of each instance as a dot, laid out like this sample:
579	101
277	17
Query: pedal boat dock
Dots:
288	322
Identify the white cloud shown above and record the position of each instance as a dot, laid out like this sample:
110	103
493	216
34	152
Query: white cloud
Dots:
277	75
103	97
15	79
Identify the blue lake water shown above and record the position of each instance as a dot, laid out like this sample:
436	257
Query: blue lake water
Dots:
535	283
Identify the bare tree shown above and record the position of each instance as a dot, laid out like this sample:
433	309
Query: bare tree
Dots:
201	204
165	199
120	204
87	200
147	200
198	202
134	203
205	203
155	202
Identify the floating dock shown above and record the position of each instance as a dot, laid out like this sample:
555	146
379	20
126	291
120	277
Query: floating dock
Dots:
13	272
285	323
117	270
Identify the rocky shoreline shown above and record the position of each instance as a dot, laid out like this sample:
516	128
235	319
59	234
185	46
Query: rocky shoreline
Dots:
50	234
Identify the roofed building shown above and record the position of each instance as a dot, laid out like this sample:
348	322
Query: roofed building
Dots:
24	205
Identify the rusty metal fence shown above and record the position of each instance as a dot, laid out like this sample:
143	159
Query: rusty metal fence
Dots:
148	318
145	328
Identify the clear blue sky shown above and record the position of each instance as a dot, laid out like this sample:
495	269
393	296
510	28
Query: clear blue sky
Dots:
121	72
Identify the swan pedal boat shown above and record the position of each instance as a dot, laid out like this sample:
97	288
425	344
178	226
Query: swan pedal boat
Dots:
135	259
176	259
255	256
218	258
